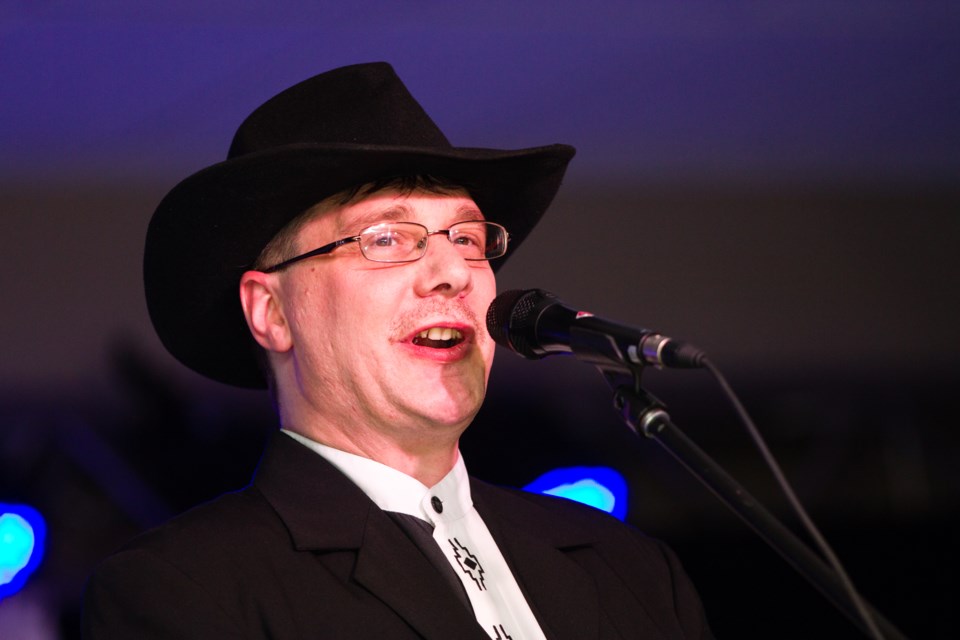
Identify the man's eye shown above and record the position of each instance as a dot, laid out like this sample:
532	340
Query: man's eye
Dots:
391	238
468	239
386	240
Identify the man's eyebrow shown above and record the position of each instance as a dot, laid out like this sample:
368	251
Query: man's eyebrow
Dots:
403	213
469	212
393	213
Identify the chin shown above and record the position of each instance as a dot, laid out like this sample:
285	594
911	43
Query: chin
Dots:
452	412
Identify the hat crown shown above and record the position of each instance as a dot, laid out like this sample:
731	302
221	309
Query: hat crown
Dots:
362	104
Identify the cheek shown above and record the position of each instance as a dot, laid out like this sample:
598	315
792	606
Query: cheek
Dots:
311	304
367	307
484	291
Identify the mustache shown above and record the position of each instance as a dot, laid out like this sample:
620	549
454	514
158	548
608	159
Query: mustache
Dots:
453	310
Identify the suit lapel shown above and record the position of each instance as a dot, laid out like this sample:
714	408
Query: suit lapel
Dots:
392	567
561	595
325	511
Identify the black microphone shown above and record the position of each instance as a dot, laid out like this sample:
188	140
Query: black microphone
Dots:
535	324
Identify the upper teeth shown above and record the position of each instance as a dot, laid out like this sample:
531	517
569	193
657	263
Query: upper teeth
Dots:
440	333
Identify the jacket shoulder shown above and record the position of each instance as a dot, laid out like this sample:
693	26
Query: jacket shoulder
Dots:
180	566
619	558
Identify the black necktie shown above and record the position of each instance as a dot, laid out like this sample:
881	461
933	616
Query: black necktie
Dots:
421	533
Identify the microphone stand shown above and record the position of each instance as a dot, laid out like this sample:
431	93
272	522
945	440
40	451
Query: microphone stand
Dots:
646	415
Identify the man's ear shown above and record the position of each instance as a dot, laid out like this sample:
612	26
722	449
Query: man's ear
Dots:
259	297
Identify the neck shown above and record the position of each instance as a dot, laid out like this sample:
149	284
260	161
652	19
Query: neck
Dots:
427	462
419	446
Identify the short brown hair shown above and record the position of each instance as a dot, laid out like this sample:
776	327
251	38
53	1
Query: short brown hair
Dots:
283	245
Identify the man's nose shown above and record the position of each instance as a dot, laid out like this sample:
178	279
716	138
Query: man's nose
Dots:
443	269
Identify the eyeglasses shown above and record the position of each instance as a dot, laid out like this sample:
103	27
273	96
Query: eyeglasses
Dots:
397	242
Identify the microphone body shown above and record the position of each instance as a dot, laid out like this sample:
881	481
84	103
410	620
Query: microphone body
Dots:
535	324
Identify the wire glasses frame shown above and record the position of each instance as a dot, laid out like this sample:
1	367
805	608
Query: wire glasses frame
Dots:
399	242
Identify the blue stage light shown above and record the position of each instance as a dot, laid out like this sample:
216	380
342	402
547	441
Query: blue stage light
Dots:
22	537
599	487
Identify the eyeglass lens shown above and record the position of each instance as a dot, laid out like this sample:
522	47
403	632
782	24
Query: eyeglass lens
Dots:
406	241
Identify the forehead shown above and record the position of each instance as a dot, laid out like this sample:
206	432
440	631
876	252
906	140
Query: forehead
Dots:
385	206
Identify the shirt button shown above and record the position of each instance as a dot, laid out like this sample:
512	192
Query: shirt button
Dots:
437	504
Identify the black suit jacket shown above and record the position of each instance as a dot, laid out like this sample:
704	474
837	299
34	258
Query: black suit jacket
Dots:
304	553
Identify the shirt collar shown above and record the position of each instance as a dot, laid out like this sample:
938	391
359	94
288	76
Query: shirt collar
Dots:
393	490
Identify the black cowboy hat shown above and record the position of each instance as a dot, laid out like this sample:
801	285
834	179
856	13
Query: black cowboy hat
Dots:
332	132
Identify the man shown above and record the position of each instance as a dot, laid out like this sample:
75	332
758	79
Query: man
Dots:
361	242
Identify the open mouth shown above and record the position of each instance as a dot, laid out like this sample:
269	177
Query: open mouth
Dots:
438	338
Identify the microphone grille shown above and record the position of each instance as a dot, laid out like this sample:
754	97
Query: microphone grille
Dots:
511	320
